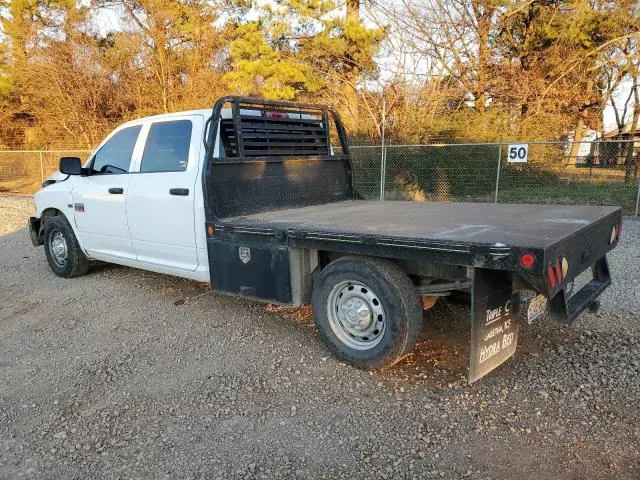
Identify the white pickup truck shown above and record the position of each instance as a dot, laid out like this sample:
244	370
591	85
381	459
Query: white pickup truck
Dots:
257	197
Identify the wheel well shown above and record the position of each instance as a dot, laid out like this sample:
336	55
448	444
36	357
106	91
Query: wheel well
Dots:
325	257
47	215
421	273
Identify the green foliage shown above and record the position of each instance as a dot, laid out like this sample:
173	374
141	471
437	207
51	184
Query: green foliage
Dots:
300	49
344	47
576	193
261	70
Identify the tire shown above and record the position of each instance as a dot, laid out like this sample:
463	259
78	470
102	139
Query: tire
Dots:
61	247
367	311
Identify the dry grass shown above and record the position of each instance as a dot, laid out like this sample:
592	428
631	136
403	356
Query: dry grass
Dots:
22	185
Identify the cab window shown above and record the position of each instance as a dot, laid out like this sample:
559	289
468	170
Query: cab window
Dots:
167	147
115	155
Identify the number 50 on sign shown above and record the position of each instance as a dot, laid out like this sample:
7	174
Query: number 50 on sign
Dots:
518	153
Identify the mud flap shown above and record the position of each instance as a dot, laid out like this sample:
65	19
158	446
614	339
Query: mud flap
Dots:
494	330
34	231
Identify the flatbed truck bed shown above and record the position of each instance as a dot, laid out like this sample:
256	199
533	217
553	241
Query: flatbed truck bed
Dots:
492	236
519	225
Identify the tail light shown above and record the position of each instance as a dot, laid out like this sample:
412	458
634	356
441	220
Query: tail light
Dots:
527	260
616	230
558	272
552	277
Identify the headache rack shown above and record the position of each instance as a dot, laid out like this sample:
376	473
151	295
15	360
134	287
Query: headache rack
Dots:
269	129
265	155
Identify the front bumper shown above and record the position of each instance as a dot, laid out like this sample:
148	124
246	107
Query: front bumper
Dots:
34	231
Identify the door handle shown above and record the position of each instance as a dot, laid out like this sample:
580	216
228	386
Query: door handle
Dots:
183	192
116	190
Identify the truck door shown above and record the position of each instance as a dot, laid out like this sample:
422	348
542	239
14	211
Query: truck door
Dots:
160	205
99	199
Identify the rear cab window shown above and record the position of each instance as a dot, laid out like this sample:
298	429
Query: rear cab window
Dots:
167	147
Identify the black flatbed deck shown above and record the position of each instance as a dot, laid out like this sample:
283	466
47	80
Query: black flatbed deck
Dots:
524	226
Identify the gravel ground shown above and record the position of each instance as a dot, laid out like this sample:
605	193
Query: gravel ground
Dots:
14	211
128	374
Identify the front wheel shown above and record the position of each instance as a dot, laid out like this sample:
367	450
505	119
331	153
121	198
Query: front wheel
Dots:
367	311
62	249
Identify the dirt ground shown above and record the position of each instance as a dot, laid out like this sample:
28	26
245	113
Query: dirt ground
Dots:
128	374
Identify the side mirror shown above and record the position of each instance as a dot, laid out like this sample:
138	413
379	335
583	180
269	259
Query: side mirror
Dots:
70	166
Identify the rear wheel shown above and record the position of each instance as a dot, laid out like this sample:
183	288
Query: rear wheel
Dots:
367	311
62	249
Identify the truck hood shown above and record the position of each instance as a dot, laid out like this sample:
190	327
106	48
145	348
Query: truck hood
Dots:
53	178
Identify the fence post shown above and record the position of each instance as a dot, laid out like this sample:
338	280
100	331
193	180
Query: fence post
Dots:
638	198
383	169
383	152
495	197
41	168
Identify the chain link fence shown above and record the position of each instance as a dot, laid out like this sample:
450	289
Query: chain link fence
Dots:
597	172
22	171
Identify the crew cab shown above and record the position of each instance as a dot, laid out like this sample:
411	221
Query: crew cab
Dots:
257	197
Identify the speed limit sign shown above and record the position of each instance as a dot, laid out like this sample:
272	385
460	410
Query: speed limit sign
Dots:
518	153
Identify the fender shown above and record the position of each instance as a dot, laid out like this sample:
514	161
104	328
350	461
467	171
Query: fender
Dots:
55	199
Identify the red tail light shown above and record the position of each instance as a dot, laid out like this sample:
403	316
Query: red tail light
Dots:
558	271
527	260
618	230
551	276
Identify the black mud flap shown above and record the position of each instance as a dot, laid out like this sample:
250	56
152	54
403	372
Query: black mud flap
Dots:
494	330
34	231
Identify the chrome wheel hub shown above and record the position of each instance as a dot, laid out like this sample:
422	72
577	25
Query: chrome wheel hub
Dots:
356	315
58	248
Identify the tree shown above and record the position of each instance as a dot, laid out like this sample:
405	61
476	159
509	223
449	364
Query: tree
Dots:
622	73
304	49
521	66
259	69
178	49
54	85
444	69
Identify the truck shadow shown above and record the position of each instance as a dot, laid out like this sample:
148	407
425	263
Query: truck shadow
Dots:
439	360
441	355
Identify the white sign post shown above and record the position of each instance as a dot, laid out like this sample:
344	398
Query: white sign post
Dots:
518	153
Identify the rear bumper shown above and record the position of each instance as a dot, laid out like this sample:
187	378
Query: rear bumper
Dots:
34	231
568	258
567	309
